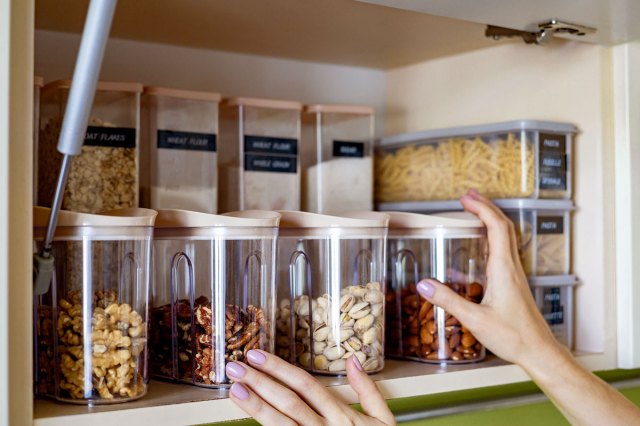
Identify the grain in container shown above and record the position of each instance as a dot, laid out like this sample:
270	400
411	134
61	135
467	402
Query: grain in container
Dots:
90	328
38	82
104	175
331	274
516	159
337	158
258	155
213	296
450	247
554	298
180	129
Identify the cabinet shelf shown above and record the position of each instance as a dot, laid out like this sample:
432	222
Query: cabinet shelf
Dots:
168	403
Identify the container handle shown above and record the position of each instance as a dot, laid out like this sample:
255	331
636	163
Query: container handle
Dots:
396	268
359	271
293	262
175	303
257	254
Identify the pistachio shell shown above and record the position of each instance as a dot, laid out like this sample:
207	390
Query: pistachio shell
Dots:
374	296
345	333
361	356
321	333
359	310
334	352
346	302
338	365
320	362
363	324
319	347
305	359
371	364
369	336
354	343
376	309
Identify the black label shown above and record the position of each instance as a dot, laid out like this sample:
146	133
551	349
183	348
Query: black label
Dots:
269	145
553	179
552	309
550	142
553	160
550	225
169	139
270	163
113	137
348	149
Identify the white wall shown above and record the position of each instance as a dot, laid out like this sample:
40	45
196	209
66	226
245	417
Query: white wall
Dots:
566	82
231	74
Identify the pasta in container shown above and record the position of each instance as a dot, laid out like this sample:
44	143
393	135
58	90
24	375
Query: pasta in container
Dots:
519	159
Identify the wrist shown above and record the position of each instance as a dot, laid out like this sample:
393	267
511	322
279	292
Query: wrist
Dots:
544	357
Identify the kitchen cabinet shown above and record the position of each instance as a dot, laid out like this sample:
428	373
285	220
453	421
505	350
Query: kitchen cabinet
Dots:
418	71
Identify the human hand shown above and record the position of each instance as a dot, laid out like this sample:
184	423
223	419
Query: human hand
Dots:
275	392
507	321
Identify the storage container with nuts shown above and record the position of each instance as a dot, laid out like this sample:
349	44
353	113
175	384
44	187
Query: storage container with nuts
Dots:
180	159
450	248
258	155
90	328
336	158
554	297
518	159
105	174
213	296
331	290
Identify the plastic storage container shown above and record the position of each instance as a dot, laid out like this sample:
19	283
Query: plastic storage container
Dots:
38	82
450	248
331	290
554	297
180	128
90	328
337	158
517	159
105	174
214	288
258	156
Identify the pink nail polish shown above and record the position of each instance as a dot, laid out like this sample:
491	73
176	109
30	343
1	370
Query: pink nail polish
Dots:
426	289
256	357
356	361
239	391
235	370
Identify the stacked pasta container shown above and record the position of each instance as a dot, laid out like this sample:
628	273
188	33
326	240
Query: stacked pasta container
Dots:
525	166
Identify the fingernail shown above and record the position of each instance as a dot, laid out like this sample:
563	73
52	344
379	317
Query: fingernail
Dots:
239	391
356	361
474	192
426	289
256	357
235	370
466	198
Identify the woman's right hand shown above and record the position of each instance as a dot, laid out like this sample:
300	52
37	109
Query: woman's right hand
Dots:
507	321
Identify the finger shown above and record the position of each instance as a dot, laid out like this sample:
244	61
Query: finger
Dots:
371	399
465	311
473	193
279	397
257	408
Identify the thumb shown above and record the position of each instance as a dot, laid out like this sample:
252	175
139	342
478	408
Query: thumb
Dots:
371	400
439	294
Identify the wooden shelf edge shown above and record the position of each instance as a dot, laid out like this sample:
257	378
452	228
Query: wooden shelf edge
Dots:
169	403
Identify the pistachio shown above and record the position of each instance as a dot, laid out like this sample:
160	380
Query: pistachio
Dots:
334	352
354	343
345	333
376	309
305	359
363	324
369	336
321	362
360	310
321	333
346	302
371	364
338	365
374	296
361	356
319	347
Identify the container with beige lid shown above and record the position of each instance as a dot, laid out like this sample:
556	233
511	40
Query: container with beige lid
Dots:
258	154
105	174
336	158
213	296
331	290
90	328
180	161
451	248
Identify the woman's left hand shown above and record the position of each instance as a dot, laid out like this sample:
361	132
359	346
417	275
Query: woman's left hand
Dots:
295	397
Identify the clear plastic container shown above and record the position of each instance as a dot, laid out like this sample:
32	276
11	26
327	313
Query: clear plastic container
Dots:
214	287
181	129
517	159
105	174
451	248
258	155
90	328
38	82
331	274
554	297
337	158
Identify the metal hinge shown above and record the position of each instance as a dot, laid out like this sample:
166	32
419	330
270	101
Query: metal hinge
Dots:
547	30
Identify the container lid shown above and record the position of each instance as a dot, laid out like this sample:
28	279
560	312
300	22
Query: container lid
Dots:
173	218
103	86
263	103
507	126
553	281
454	205
38	81
298	219
182	94
111	218
340	109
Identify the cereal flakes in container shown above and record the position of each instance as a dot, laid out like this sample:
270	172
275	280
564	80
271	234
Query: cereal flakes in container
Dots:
181	159
258	154
337	158
554	298
331	274
213	296
38	82
517	159
451	248
104	176
90	328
